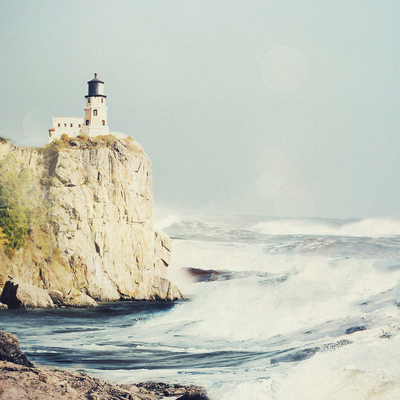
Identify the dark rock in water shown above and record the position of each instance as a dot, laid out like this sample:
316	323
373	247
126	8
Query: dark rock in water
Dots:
206	275
10	351
185	392
9	295
353	329
19	379
194	396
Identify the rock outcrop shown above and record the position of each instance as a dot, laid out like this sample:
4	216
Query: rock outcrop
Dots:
10	351
20	379
100	236
17	294
75	298
57	297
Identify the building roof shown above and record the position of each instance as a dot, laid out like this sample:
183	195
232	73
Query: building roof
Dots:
96	79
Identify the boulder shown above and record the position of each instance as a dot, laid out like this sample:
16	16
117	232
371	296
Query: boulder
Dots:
17	294
10	351
75	298
164	390
194	395
57	297
163	289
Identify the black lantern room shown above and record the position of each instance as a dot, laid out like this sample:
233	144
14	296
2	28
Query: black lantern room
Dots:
96	87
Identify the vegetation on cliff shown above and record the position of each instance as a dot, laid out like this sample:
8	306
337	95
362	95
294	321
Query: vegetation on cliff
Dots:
86	142
21	208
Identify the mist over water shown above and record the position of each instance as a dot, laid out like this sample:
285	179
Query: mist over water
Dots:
279	309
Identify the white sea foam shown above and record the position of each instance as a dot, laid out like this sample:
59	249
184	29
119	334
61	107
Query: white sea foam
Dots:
253	314
367	370
370	227
250	308
167	221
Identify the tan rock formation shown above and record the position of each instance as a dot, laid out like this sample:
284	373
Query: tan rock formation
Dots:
99	204
17	294
75	298
57	297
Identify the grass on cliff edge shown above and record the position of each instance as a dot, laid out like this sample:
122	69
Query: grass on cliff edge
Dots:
86	142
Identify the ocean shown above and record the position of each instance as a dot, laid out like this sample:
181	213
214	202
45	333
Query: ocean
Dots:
279	309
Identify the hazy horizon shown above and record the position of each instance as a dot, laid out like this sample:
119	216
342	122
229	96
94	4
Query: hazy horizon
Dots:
244	107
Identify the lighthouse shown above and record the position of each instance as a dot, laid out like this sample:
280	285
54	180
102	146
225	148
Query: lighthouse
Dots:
95	121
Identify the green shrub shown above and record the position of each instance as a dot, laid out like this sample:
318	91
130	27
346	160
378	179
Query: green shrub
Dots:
3	238
20	204
13	219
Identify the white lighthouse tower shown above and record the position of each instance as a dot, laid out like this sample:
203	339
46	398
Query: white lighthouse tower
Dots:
95	121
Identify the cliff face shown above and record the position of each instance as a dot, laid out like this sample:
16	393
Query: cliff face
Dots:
98	199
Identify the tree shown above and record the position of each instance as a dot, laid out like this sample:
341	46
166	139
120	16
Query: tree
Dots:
13	220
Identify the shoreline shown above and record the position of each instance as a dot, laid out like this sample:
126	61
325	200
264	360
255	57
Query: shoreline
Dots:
20	378
16	294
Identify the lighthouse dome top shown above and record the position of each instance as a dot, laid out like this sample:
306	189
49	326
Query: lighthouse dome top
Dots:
96	87
96	79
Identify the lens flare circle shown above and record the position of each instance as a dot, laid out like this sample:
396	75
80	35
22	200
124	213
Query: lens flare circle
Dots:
268	186
284	68
33	142
36	124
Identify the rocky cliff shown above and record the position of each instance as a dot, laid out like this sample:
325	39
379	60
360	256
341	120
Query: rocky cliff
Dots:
98	233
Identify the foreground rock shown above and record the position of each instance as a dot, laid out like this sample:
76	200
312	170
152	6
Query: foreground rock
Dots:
19	379
10	351
17	294
23	383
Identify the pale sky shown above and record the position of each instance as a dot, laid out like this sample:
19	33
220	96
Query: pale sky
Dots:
274	107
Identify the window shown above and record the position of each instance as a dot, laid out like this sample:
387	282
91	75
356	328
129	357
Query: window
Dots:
87	122
94	112
71	125
65	125
102	99
88	100
104	123
79	125
59	125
